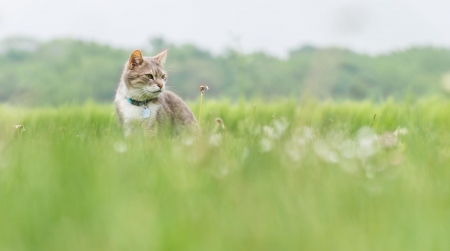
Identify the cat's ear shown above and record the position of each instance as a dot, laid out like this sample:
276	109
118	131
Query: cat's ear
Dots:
161	57
135	59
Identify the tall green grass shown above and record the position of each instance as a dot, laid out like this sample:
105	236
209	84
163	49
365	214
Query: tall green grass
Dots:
278	176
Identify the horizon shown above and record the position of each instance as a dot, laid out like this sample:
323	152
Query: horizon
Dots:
146	47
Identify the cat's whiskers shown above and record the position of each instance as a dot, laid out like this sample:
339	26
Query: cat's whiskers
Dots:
167	68
140	95
172	89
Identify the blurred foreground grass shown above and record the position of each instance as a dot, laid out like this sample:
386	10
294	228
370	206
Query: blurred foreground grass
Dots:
280	176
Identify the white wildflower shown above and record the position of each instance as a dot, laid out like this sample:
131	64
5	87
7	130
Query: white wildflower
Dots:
215	139
323	150
265	144
269	132
280	126
293	151
120	147
401	131
388	140
348	149
367	142
187	140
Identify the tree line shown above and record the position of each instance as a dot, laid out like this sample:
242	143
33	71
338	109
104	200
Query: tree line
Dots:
71	71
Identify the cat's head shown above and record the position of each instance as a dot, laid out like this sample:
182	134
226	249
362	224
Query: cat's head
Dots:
145	77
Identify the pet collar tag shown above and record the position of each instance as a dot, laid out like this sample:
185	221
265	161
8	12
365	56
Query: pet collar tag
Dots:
145	113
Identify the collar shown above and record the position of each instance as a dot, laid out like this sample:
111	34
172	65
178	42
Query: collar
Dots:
137	103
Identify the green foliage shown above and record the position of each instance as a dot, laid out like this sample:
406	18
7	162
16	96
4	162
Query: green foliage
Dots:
70	71
279	176
61	71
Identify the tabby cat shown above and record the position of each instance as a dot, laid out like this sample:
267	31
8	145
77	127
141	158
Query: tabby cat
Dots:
142	101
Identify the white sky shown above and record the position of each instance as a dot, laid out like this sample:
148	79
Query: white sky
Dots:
375	26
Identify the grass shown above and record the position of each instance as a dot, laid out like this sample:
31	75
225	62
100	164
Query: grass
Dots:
280	176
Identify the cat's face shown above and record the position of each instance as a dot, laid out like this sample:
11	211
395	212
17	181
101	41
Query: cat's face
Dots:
145	76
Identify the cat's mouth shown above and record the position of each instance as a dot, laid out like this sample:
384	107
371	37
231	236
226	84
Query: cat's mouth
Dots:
157	91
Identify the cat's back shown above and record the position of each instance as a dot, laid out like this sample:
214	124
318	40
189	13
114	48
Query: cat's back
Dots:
170	100
173	107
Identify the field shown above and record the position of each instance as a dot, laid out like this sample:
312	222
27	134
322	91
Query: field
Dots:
282	175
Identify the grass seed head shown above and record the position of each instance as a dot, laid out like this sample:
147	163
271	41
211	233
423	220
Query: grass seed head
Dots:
19	127
220	123
203	88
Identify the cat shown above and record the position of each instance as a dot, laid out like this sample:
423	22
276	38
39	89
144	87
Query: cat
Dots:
142	100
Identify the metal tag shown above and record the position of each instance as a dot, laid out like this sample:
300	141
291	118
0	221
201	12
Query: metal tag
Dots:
145	113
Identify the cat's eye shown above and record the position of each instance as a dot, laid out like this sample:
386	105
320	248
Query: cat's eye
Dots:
163	76
150	76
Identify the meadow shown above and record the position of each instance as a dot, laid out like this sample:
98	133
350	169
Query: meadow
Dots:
283	175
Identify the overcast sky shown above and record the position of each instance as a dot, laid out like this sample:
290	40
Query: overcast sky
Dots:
375	26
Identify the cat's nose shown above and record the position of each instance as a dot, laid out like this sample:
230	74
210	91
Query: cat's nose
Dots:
160	85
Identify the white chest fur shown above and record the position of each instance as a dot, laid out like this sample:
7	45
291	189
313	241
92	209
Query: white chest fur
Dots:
132	116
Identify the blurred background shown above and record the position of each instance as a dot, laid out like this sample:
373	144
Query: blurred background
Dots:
54	52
